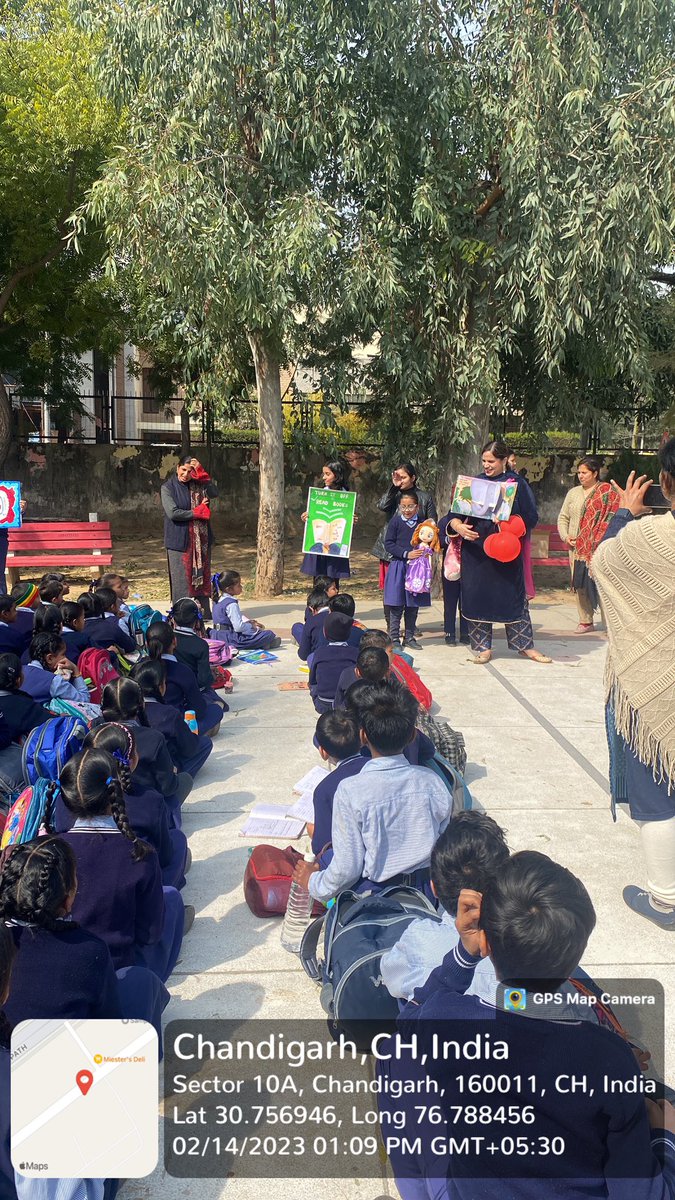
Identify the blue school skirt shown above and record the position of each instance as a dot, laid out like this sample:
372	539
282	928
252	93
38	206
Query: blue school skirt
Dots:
395	593
321	564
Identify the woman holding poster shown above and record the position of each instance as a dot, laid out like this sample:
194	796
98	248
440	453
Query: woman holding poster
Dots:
328	546
494	590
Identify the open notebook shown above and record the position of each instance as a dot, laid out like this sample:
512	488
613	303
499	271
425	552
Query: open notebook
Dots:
285	820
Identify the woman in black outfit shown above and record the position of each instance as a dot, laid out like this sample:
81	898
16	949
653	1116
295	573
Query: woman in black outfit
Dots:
403	482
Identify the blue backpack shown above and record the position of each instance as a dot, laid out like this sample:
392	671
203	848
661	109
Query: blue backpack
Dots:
47	748
140	620
357	931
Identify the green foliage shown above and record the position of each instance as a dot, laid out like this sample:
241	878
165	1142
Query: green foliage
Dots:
631	460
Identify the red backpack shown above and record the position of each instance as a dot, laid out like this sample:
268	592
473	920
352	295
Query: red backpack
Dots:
96	670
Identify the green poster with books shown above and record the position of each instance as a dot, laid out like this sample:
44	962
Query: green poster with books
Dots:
330	522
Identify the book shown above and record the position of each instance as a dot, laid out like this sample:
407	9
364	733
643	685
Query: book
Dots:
310	781
303	809
258	656
272	821
489	499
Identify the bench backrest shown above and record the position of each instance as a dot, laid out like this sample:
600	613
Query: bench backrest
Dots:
60	535
555	542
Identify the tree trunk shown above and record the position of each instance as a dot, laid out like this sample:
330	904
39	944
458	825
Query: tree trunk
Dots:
185	438
464	459
5	423
269	573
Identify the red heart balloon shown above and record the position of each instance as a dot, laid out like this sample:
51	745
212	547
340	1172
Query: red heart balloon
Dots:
514	525
504	547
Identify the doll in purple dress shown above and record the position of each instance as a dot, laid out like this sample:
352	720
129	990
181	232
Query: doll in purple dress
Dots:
418	572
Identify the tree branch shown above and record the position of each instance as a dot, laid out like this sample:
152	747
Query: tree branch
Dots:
667	277
489	202
32	268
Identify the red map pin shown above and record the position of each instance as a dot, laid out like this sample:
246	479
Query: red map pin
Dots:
84	1080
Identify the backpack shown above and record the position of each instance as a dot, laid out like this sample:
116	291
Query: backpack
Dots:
267	880
140	619
220	654
357	931
95	666
30	814
47	748
462	800
75	708
448	742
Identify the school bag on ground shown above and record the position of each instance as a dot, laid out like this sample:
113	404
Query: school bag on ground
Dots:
462	800
96	669
30	815
448	741
267	880
356	932
220	654
48	748
140	620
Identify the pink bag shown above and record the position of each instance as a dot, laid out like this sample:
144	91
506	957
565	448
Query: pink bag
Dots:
220	654
452	563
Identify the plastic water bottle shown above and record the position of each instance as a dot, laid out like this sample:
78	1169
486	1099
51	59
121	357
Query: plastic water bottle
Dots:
298	915
191	720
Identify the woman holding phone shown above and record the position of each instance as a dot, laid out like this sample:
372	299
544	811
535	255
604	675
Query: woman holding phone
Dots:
187	531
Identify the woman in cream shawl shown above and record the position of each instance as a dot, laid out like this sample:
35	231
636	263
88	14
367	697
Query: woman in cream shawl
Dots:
634	571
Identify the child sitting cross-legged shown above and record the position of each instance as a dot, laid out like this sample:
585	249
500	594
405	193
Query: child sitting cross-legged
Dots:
533	921
188	750
50	674
419	749
387	818
229	623
330	659
309	635
371	665
74	634
339	742
346	604
182	688
13	640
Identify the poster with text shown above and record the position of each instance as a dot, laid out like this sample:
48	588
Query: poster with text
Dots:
10	504
330	522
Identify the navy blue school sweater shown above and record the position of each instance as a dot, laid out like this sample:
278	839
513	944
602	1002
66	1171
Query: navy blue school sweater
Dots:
25	620
182	689
608	1145
193	651
22	713
148	817
65	974
118	636
7	1188
105	631
13	640
328	664
312	634
119	900
324	795
76	642
155	769
347	678
182	743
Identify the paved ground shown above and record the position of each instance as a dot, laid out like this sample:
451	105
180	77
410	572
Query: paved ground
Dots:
537	763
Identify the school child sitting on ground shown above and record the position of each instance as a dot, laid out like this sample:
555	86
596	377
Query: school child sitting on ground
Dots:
12	639
471	850
55	577
147	809
122	701
339	742
53	590
20	711
49	674
229	623
120	896
330	660
308	635
97	627
111	611
182	689
62	972
534	921
192	647
400	666
331	587
74	633
346	604
189	751
419	750
121	588
386	819
371	665
25	596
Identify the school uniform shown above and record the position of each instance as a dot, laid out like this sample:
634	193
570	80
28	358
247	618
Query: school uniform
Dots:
329	661
401	603
44	685
182	691
21	713
324	798
231	626
123	901
12	640
155	770
189	751
76	642
25	620
117	637
7	1188
451	590
312	633
347	678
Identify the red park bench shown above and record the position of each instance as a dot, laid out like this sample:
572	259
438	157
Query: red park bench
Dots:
548	548
58	544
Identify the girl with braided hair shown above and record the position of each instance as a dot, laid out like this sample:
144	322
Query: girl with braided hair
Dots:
20	711
182	689
123	701
74	634
120	896
188	750
50	674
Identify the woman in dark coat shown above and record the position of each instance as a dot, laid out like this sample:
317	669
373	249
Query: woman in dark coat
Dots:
187	531
490	590
403	483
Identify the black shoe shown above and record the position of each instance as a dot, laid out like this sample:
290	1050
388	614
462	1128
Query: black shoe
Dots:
275	644
449	640
411	641
188	918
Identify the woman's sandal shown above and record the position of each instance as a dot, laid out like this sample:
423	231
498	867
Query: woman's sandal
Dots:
537	656
482	658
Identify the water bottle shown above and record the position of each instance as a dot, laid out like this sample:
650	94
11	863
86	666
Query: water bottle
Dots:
191	720
298	915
